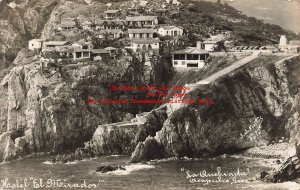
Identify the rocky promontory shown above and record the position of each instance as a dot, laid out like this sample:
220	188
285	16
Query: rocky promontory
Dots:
261	90
46	109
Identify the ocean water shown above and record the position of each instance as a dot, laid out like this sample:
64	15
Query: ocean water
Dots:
35	173
284	13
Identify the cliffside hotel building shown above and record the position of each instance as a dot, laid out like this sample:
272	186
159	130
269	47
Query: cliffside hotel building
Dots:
194	57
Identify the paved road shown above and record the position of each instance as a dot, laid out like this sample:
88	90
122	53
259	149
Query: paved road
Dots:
229	69
235	66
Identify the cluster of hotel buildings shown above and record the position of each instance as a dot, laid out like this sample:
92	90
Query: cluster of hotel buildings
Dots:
141	31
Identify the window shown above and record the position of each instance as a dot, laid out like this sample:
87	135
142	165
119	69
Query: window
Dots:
192	57
78	54
192	65
175	62
206	56
85	54
203	56
179	56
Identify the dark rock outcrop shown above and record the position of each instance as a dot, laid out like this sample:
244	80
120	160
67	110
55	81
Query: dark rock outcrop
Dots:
122	138
114	140
62	159
147	150
105	169
152	123
288	171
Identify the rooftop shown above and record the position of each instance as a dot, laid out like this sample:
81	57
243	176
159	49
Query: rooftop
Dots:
68	24
109	31
100	51
212	40
68	19
111	11
87	23
295	42
141	18
191	50
141	30
170	27
81	50
110	48
56	43
161	10
83	42
66	49
38	40
119	22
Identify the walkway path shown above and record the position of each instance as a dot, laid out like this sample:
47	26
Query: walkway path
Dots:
229	69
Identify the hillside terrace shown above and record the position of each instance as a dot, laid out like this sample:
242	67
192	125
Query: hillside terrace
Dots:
118	26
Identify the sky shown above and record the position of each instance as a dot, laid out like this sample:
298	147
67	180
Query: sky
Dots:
281	12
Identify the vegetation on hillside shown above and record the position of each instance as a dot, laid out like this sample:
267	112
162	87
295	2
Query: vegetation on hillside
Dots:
202	19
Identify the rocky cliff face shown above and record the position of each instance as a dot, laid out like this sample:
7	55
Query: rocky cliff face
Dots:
122	138
42	114
20	21
261	90
46	109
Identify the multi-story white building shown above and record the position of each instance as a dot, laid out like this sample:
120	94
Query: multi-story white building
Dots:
141	33
145	45
194	57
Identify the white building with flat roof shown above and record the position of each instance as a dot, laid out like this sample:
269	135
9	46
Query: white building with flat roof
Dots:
211	44
170	31
193	57
35	44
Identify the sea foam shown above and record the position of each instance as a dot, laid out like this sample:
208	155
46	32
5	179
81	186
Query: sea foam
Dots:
131	168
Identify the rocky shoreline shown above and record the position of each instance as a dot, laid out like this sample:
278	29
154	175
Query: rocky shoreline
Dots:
287	163
274	156
272	151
